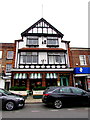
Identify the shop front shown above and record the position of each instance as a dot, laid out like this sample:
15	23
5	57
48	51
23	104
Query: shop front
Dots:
82	77
42	78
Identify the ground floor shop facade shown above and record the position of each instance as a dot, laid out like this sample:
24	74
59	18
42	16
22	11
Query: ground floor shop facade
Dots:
82	77
44	78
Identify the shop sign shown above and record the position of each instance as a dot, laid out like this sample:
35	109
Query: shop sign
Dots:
82	70
38	92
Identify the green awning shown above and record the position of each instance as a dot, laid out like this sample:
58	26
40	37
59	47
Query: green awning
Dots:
20	76
51	75
35	76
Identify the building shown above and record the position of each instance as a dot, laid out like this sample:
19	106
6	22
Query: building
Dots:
42	57
6	64
80	61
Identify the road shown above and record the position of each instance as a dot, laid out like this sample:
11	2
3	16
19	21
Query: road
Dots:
42	111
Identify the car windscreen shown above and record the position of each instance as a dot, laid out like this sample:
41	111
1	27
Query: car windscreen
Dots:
5	92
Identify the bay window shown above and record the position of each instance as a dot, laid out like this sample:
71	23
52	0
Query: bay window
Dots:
28	57
56	58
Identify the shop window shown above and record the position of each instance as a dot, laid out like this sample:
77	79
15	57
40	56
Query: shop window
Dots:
82	59
19	82
10	55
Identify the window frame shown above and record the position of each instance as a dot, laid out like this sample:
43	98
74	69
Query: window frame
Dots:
54	55
82	59
1	54
32	39
50	43
25	56
8	68
10	55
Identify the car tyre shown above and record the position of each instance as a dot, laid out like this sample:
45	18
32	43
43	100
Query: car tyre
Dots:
58	104
9	105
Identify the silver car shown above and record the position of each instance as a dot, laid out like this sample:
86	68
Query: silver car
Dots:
10	101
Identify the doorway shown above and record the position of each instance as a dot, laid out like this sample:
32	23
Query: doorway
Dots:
64	81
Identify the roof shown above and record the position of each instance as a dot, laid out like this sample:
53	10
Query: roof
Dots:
42	28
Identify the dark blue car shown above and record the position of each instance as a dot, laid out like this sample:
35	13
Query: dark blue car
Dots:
61	96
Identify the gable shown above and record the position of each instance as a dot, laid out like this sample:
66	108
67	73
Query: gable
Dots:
42	28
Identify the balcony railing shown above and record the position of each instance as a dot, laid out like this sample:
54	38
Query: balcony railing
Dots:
42	66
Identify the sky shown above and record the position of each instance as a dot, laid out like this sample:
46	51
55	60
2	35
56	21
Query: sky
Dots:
70	17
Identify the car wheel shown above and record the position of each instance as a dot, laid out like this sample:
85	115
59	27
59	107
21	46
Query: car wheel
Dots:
9	105
58	104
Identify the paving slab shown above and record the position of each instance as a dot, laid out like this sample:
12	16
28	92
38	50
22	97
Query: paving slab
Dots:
30	99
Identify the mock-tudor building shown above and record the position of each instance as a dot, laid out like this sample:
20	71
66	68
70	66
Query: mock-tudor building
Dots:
42	58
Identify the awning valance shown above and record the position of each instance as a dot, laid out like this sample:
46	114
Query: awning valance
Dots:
35	76
20	76
51	75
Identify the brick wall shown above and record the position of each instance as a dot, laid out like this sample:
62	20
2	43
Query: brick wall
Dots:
75	52
5	47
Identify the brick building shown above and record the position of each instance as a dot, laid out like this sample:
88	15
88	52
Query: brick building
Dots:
42	58
80	61
6	62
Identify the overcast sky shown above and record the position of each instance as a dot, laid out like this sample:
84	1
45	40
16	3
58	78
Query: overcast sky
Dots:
70	17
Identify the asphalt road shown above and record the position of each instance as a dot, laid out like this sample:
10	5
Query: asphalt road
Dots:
42	111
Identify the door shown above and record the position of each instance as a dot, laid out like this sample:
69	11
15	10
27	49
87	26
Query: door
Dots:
64	81
67	95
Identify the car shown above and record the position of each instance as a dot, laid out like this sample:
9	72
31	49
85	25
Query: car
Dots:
11	101
58	97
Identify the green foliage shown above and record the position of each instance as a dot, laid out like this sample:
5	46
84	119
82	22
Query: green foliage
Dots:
39	88
18	88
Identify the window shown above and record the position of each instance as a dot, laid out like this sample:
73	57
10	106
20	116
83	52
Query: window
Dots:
65	90
89	59
8	67
77	91
52	41
56	58
32	41
10	55
82	59
0	54
28	57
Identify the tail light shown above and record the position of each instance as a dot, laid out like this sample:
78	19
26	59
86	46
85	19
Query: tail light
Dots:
46	94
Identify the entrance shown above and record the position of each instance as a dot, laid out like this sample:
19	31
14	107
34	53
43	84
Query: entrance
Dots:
64	81
82	81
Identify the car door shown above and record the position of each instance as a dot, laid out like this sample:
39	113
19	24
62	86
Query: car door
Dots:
67	95
80	96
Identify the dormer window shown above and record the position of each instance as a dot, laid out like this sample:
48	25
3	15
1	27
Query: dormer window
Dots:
32	41
52	42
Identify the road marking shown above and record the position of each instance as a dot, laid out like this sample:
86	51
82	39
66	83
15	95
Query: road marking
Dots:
70	109
86	108
54	110
35	111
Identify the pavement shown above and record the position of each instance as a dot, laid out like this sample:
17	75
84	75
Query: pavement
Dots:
31	100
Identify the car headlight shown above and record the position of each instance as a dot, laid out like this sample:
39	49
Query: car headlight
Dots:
19	99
